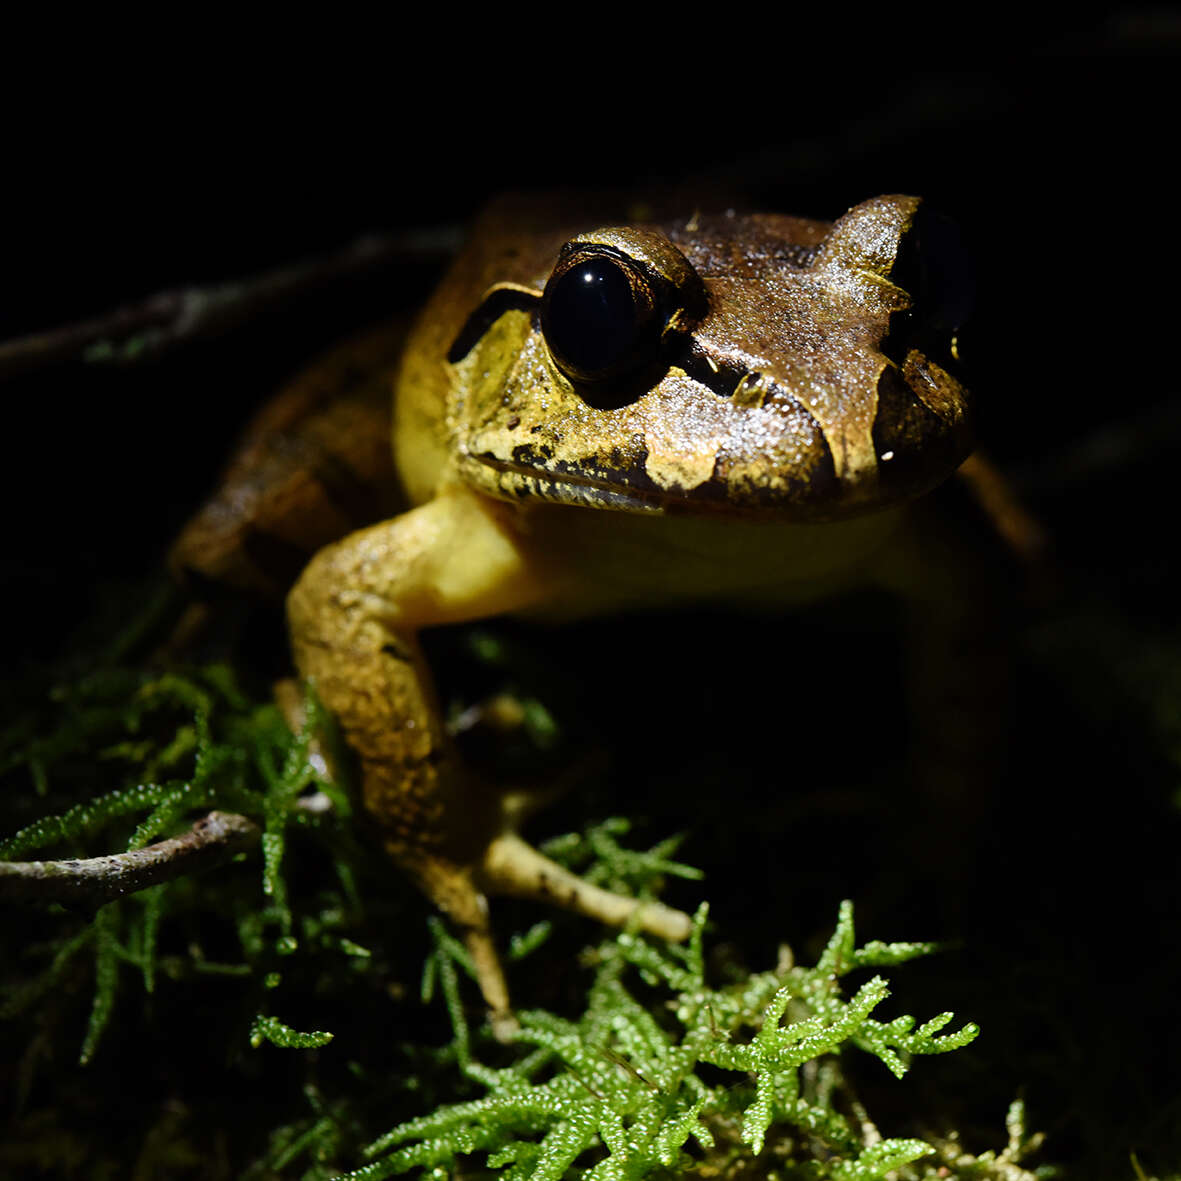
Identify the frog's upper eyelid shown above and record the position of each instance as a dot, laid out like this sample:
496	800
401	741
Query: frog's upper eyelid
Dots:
679	292
501	298
651	252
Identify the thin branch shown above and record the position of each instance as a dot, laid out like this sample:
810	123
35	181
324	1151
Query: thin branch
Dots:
138	331
212	840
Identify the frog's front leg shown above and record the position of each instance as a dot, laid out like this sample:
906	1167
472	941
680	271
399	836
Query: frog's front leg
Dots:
354	616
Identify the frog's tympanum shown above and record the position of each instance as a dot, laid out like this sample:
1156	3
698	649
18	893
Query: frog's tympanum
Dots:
730	408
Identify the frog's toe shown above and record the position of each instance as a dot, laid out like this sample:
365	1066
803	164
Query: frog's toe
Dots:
505	1026
453	891
512	866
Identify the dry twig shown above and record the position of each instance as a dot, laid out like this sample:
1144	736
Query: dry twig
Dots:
212	840
133	333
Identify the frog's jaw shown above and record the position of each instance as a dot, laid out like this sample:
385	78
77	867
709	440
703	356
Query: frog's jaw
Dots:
517	482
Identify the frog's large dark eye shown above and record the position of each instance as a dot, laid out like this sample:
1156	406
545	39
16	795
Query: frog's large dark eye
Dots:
600	315
934	266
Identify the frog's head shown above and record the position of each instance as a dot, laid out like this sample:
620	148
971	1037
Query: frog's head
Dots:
763	366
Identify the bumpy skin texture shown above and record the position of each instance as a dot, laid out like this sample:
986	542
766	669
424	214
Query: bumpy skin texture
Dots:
760	454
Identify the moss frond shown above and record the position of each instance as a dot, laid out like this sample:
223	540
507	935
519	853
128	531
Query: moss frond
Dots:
619	1093
271	1029
598	856
224	752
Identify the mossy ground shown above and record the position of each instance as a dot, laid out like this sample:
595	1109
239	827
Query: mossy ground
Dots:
183	1000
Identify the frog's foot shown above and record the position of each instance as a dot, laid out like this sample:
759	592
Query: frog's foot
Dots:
453	891
512	866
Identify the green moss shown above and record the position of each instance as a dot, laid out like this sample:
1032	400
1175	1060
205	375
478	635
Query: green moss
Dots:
226	752
270	1029
620	1092
676	1061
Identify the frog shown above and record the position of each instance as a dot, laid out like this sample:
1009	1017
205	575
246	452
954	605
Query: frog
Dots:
599	416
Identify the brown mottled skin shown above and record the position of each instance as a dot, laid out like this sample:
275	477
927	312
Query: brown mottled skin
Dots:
765	451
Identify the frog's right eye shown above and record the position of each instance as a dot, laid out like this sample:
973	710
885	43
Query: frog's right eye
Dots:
935	268
601	314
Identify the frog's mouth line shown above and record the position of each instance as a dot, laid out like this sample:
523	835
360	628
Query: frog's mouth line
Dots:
572	488
576	488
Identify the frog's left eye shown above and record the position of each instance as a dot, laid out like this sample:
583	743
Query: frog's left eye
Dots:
601	314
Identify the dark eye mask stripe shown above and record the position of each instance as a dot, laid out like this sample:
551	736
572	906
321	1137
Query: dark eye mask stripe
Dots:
495	304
